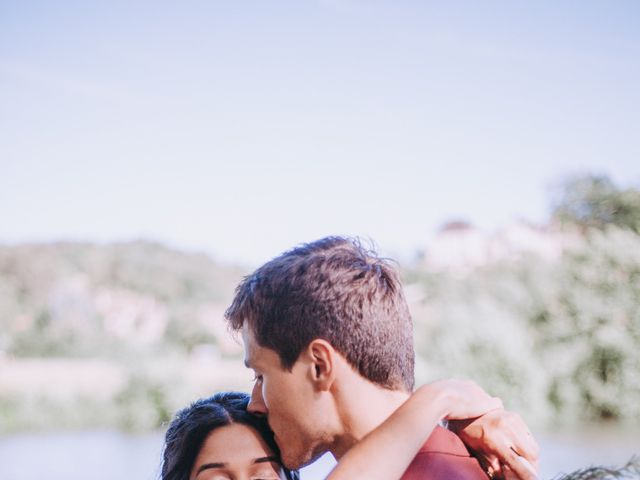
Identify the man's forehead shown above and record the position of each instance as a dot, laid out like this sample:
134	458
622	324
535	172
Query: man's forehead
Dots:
255	355
249	361
249	346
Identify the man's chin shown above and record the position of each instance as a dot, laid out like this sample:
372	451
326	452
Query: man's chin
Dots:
297	460
294	462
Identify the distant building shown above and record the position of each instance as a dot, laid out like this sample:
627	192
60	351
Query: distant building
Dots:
460	247
139	319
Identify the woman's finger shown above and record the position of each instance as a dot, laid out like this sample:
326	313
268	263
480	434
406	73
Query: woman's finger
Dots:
515	464
523	442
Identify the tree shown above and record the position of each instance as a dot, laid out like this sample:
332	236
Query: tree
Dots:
594	201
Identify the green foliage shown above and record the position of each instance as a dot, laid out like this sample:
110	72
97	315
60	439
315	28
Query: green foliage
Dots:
595	201
186	333
594	328
143	404
41	412
476	327
558	341
165	274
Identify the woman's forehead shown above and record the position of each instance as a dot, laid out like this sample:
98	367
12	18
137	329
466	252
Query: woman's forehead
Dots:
235	448
236	441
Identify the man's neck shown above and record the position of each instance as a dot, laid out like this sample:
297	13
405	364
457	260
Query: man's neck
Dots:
362	407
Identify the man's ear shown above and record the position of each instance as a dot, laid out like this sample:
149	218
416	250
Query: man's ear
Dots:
323	365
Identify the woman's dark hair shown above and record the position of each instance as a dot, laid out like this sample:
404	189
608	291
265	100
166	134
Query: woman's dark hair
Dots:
192	425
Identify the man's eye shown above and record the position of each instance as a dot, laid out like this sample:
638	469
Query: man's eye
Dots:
271	475
267	473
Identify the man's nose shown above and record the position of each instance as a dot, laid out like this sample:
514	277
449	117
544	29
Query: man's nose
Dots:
256	403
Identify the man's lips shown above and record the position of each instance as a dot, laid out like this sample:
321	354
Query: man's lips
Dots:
275	435
278	441
276	438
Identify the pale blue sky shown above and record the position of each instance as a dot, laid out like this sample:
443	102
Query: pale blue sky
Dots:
244	127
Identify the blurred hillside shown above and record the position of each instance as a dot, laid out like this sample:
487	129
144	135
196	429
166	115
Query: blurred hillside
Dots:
547	317
102	335
70	299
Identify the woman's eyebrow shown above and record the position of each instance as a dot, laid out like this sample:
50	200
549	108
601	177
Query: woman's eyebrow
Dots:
207	466
272	458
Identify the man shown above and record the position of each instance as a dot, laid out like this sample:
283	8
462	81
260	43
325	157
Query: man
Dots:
328	332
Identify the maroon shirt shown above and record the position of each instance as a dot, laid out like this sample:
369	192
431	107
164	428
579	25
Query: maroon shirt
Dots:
444	456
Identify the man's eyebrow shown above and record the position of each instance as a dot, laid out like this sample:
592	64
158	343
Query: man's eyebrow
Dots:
272	458
207	466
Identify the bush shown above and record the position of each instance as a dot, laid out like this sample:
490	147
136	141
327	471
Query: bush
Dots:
557	341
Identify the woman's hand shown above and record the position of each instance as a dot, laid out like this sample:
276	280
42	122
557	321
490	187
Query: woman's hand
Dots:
499	439
502	443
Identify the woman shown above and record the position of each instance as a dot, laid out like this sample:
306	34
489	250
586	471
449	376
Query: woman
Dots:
216	439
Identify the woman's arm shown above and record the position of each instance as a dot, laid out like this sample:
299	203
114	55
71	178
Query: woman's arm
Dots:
386	452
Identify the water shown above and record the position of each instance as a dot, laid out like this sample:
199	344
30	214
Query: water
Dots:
108	455
102	455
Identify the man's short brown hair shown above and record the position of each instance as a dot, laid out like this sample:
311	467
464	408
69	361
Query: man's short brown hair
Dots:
337	290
